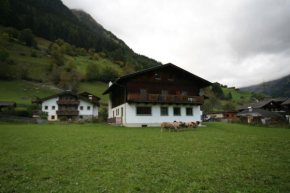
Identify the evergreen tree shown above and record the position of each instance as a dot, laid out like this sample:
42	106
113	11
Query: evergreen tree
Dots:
28	37
229	96
218	91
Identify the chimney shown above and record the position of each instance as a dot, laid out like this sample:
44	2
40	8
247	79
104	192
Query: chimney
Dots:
250	109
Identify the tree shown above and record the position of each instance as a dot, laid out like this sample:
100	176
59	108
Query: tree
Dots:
28	37
229	106
109	74
12	32
211	104
218	91
55	74
92	72
229	96
70	66
96	56
56	56
4	55
104	114
5	68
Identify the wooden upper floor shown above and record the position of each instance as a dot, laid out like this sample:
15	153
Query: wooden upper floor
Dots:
162	84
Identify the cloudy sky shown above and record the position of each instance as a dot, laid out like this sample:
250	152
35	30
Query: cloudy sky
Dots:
237	43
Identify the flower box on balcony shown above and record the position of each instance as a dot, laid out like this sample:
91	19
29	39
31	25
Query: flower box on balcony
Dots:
169	97
153	97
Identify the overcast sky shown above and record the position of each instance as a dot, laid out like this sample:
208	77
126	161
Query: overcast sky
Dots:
235	42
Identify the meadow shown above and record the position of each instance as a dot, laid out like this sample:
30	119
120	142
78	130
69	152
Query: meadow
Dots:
221	157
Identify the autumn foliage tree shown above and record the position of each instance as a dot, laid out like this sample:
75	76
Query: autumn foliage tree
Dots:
92	72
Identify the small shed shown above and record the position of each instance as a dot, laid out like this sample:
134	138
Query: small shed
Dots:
7	104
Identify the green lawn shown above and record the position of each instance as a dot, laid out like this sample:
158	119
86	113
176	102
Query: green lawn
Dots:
99	158
237	94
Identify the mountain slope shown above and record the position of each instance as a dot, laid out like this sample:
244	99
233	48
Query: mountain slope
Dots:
51	19
274	88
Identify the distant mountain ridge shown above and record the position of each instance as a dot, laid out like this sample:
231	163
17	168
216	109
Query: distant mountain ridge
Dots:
95	26
274	88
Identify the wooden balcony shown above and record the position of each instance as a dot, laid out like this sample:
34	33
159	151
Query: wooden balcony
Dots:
67	112
115	120
169	99
68	102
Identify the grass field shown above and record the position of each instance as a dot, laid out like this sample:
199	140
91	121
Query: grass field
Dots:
237	94
22	92
99	158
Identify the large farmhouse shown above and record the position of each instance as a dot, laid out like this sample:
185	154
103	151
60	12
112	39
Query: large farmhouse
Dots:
149	97
70	105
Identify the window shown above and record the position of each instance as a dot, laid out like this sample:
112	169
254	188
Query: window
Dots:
184	93
143	110
81	117
164	92
53	107
88	107
52	117
143	92
81	107
176	111
157	76
189	111
46	107
164	111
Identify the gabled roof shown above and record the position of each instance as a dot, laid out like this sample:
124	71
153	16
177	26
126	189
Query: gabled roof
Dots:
7	104
204	83
86	94
219	112
280	100
256	105
287	102
68	93
259	113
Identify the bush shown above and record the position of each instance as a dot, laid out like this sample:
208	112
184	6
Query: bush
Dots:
43	115
22	113
63	118
97	119
103	114
92	72
33	53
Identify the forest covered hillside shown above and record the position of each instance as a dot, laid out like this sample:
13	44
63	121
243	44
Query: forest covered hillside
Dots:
51	20
274	88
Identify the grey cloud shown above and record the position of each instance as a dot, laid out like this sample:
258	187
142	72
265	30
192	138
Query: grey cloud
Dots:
261	27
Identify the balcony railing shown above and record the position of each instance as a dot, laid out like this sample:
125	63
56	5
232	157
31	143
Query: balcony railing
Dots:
67	112
136	97
115	120
68	102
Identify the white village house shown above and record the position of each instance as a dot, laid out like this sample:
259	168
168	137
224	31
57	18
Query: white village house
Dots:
155	95
70	105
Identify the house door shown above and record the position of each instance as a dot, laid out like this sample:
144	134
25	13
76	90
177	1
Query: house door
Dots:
164	93
143	94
